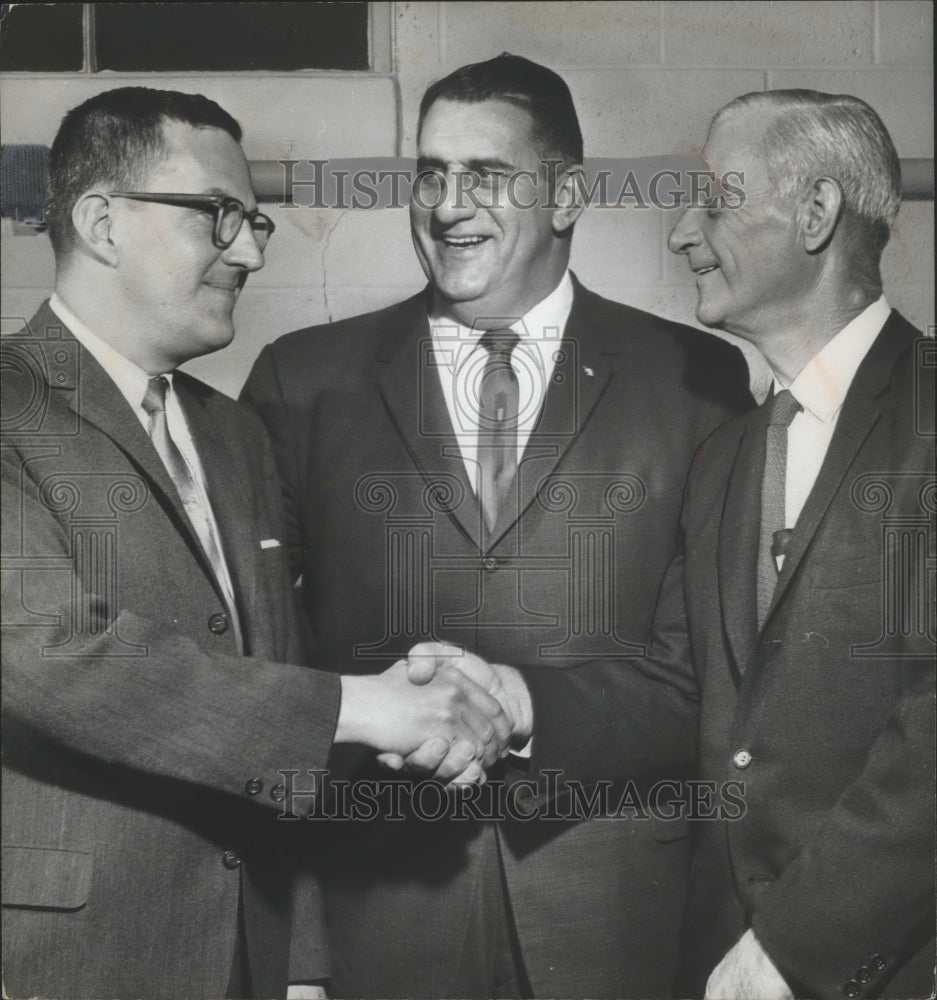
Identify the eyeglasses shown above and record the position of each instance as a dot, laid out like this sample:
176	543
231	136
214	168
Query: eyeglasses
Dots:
228	214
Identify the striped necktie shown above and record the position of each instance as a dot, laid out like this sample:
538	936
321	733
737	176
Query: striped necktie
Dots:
193	500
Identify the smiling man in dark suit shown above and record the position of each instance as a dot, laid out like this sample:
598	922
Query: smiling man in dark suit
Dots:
149	704
498	462
805	592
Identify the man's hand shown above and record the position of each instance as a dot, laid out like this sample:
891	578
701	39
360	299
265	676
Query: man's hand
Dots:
747	973
501	682
449	712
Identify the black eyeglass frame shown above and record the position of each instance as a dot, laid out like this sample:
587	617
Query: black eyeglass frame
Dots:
217	204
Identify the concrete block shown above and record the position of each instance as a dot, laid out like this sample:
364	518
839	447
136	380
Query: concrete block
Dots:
915	303
353	300
759	35
618	247
905	32
281	115
556	34
372	248
648	112
904	98
908	260
25	259
18	306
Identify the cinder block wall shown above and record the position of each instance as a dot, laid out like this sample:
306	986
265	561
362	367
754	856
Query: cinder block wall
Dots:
646	77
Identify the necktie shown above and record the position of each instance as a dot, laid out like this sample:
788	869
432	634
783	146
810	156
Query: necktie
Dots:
498	401
154	404
773	489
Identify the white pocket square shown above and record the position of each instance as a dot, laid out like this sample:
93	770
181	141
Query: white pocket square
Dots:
269	543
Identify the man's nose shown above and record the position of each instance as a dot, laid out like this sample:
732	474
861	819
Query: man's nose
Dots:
456	199
685	234
245	250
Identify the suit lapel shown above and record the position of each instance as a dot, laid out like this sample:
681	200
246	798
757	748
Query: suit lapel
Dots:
737	552
226	484
408	380
95	398
861	409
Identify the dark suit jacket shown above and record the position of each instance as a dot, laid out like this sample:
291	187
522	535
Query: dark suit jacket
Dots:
832	861
141	752
387	534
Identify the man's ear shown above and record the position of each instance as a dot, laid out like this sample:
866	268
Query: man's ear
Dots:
92	220
568	198
822	208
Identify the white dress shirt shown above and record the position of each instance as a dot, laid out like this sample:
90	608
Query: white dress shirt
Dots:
460	360
132	381
821	388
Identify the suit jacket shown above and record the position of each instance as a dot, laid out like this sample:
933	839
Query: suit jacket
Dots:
141	751
388	537
831	857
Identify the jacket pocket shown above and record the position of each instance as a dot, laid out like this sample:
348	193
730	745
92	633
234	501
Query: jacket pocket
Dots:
47	878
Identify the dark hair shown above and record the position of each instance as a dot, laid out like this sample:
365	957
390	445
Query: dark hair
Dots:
114	140
538	90
809	133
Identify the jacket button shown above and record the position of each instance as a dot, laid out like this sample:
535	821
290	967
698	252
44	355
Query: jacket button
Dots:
278	793
490	563
254	786
877	962
864	974
851	988
218	623
231	860
741	759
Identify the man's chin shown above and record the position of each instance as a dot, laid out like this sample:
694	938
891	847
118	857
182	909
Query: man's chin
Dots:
708	314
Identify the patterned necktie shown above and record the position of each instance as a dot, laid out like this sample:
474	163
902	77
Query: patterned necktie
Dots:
154	404
773	493
498	400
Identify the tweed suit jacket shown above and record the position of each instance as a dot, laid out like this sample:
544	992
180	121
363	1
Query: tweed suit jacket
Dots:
141	751
389	539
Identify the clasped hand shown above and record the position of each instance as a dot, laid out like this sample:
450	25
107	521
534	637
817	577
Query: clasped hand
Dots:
483	709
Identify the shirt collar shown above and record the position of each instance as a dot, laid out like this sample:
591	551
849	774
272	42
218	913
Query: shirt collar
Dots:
822	384
549	314
129	377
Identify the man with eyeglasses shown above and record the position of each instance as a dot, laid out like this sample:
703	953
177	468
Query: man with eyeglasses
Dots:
149	698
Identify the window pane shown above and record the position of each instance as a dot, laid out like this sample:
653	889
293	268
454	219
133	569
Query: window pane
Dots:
41	37
231	36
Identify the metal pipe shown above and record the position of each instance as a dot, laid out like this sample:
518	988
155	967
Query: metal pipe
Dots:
269	176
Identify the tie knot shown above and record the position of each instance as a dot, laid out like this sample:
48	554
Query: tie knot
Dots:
783	409
500	342
154	399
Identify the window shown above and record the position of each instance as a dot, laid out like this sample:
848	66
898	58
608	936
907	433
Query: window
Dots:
41	37
194	37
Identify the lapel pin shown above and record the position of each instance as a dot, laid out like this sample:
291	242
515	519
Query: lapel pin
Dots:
588	371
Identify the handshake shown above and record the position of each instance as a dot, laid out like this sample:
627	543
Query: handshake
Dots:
441	711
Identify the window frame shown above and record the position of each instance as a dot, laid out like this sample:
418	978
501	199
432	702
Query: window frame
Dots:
380	56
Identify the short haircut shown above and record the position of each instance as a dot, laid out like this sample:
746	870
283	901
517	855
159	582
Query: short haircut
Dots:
539	91
113	140
811	134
